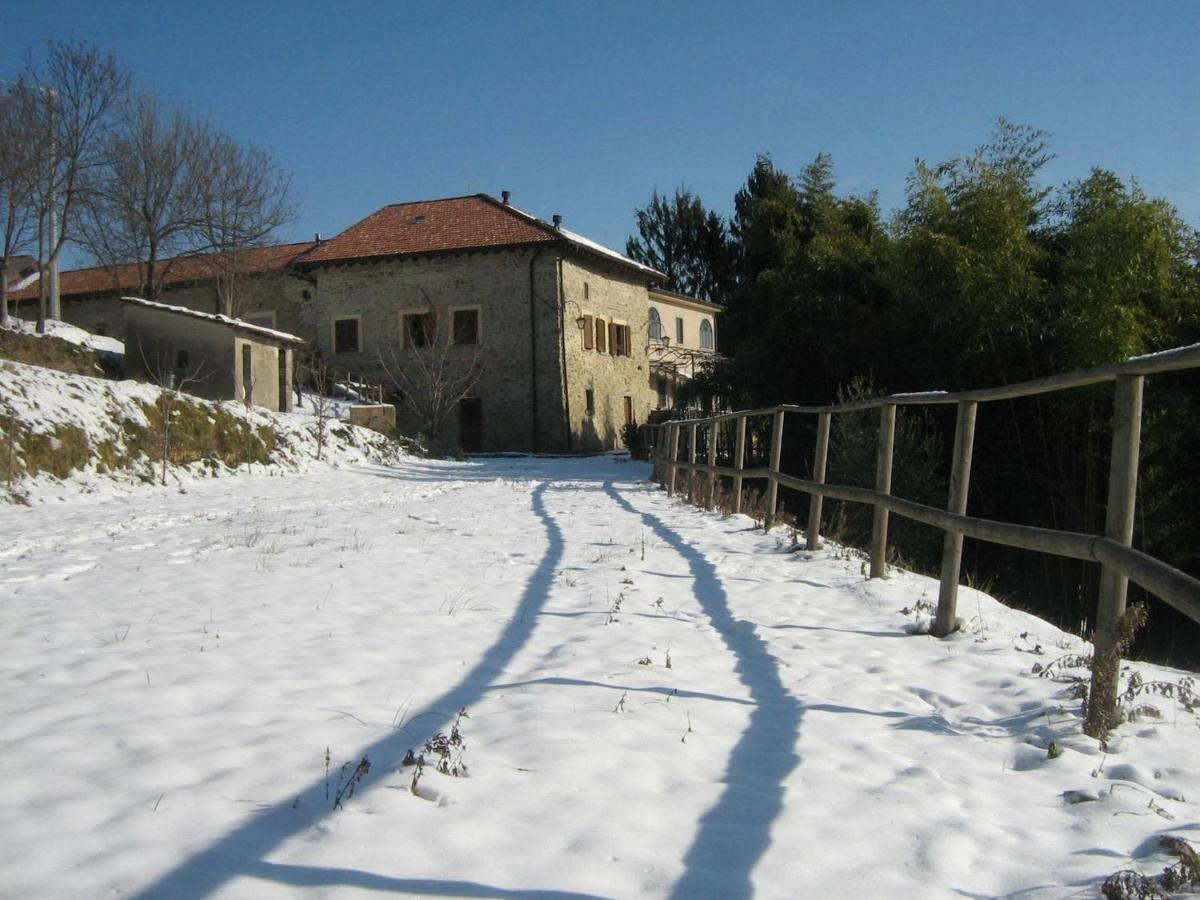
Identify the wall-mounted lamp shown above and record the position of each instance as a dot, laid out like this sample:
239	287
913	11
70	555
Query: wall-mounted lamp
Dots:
579	323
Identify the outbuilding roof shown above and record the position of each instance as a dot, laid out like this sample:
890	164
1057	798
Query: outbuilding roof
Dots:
279	337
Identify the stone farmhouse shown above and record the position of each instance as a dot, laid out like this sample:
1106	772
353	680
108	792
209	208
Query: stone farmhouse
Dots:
570	340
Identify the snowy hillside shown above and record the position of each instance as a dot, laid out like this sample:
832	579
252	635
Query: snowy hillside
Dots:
73	433
214	694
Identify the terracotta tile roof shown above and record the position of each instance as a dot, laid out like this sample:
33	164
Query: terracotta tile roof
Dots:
99	280
432	226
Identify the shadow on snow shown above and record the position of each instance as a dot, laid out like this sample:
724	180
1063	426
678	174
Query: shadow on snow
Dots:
243	850
735	833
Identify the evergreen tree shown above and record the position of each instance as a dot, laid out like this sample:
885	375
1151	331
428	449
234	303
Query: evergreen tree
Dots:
686	243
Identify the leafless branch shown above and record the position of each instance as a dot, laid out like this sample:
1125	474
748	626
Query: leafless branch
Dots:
429	371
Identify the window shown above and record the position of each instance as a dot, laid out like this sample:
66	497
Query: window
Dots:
655	325
465	327
181	359
678	330
591	401
628	410
587	332
618	339
706	335
345	336
586	292
662	391
420	329
601	336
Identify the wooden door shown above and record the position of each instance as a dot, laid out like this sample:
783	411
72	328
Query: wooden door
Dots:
470	424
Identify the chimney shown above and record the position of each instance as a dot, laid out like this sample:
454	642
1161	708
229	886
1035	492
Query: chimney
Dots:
557	221
317	237
505	196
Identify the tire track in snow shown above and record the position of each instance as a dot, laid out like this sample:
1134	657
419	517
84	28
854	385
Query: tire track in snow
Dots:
736	832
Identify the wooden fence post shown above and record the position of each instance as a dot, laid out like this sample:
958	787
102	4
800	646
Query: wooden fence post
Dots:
952	542
712	461
1122	493
883	484
773	482
739	456
691	482
673	450
815	500
654	451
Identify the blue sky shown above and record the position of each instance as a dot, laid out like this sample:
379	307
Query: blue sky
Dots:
584	109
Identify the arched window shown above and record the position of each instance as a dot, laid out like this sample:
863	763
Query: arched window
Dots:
655	325
706	335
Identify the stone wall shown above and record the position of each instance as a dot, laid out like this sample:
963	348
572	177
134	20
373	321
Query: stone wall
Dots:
497	284
618	294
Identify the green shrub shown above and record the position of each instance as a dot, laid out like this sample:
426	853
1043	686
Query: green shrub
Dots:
634	439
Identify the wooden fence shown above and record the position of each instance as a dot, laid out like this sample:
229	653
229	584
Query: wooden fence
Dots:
1119	561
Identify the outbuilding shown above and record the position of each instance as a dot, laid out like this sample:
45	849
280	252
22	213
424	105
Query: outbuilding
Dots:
209	355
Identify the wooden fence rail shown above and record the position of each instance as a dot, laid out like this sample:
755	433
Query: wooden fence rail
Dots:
1119	562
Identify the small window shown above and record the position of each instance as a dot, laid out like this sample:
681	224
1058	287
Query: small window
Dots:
656	331
601	336
591	401
628	410
586	292
679	329
181	359
466	327
345	336
587	332
706	335
420	329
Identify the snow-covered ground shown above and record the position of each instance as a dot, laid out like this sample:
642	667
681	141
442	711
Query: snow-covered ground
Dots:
45	399
660	703
69	333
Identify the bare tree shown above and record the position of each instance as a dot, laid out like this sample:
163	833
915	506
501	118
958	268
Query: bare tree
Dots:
17	185
76	94
172	372
242	200
179	188
146	203
432	368
316	370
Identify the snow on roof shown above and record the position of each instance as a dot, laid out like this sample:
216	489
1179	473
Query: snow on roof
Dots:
21	283
587	244
215	317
